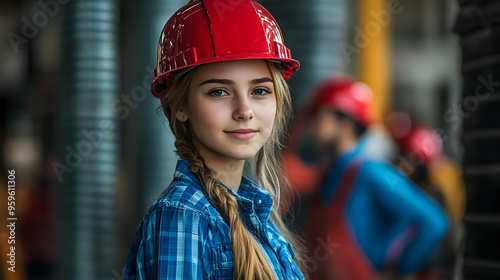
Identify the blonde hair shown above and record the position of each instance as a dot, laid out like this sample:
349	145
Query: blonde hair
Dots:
249	260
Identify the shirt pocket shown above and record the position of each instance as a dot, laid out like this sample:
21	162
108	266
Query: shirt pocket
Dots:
223	265
287	259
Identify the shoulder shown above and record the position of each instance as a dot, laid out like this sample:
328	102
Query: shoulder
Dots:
383	175
378	169
185	195
181	229
181	204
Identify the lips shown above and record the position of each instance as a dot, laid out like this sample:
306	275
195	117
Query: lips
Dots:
242	134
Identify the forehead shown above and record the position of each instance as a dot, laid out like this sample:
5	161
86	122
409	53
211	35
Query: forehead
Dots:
236	70
325	112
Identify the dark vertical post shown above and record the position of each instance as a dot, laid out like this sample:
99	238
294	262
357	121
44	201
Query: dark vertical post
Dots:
478	25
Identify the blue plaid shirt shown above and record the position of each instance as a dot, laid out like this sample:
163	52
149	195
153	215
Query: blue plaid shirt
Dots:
183	236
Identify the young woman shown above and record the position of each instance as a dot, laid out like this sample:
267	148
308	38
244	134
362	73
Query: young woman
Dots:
220	77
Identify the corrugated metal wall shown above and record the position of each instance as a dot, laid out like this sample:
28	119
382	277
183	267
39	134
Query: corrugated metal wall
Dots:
90	81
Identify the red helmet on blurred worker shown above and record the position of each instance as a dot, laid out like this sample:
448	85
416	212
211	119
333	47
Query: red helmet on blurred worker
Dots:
423	144
348	96
206	31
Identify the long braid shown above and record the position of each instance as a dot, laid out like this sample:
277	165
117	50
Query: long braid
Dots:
249	260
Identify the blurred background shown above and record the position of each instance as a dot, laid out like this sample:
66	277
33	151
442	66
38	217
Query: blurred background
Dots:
91	152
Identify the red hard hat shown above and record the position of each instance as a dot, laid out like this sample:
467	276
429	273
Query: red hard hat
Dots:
424	143
205	31
348	96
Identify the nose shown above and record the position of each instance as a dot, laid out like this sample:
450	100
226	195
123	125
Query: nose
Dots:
243	109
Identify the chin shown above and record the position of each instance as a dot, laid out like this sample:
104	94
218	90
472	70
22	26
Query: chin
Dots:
243	154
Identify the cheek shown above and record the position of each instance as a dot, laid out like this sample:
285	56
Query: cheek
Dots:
205	117
324	127
267	114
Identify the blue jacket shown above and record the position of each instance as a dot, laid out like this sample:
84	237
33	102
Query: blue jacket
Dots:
391	218
183	236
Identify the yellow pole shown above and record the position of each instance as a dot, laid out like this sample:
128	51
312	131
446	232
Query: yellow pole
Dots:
375	19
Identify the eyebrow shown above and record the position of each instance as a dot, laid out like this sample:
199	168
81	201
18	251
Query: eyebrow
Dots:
218	81
261	80
230	82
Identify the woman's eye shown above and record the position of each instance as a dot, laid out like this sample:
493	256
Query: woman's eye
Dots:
218	92
261	91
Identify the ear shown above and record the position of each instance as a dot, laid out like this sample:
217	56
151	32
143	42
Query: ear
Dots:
181	115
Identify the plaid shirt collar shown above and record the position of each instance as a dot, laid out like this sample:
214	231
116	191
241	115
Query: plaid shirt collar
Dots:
251	198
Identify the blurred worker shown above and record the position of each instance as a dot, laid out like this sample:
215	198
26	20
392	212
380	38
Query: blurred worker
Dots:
422	159
367	216
420	149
